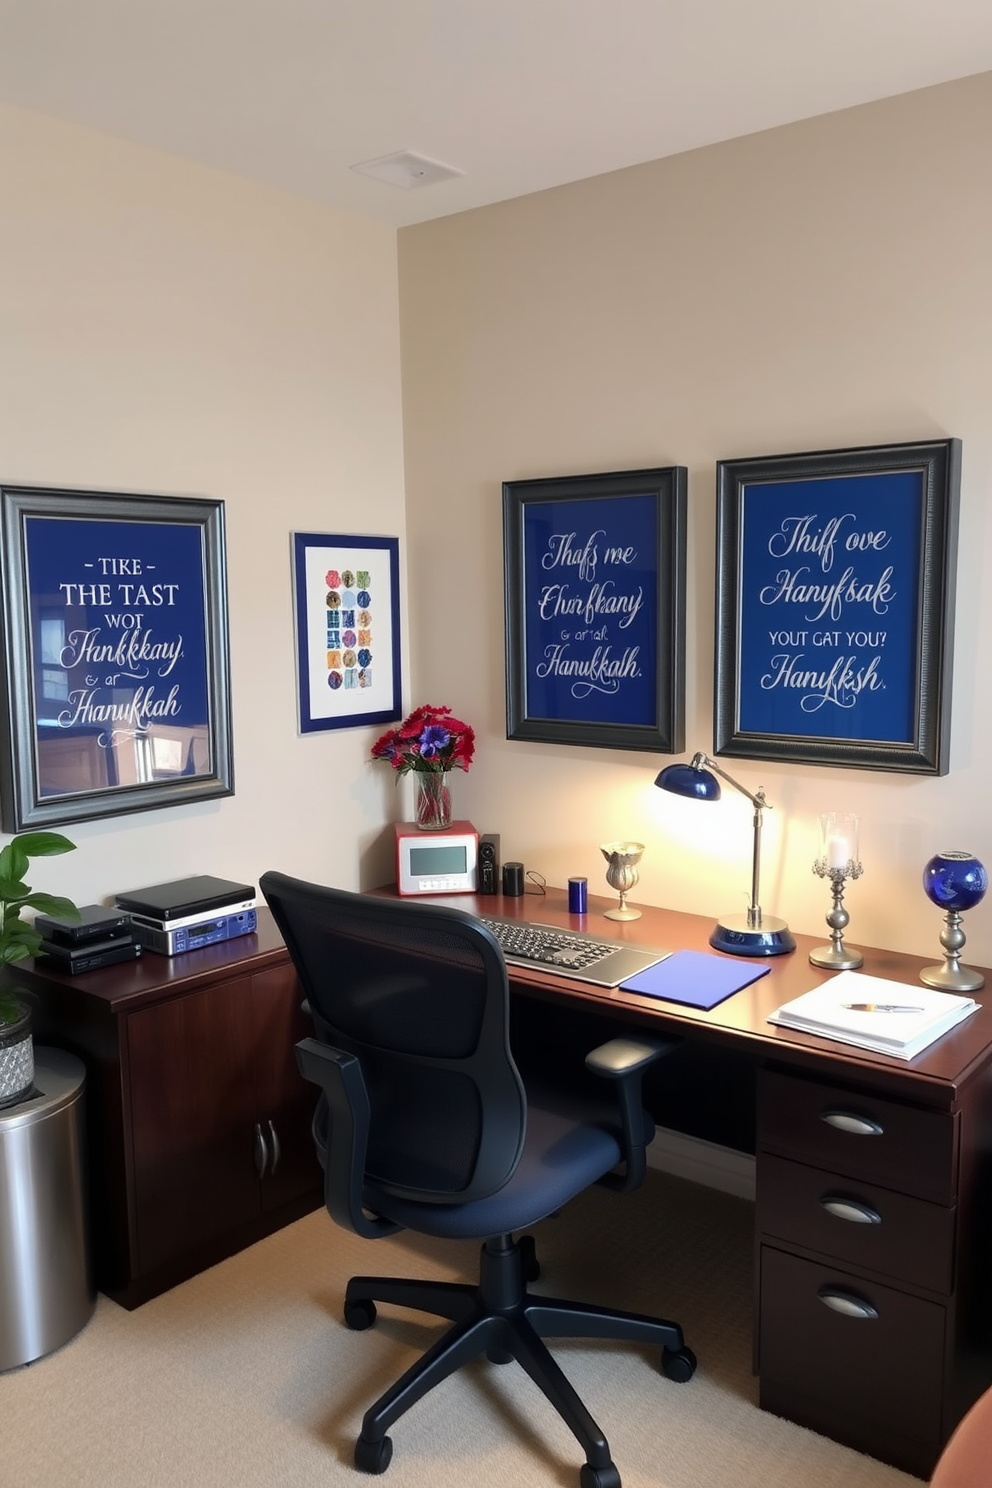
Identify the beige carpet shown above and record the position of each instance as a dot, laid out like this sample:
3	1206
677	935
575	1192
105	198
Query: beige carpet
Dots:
245	1377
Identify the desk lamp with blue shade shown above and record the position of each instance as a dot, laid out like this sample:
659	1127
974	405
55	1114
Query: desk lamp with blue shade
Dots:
753	933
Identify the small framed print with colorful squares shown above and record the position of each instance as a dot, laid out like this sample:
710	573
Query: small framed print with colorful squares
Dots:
347	630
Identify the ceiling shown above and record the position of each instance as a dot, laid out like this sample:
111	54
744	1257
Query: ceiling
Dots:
517	95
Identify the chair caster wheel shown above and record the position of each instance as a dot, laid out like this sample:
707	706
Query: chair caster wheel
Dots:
373	1456
359	1315
678	1364
599	1477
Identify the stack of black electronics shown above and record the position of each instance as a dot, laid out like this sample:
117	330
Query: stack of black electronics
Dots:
100	937
188	913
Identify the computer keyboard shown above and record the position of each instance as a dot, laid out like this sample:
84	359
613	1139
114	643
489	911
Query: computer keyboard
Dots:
541	943
569	953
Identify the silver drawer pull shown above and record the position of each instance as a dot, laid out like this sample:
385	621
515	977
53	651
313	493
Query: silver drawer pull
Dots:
850	1209
846	1303
846	1121
261	1152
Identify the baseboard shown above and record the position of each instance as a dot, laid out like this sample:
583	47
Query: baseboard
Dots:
703	1162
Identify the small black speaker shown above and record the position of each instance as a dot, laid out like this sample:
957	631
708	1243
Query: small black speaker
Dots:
489	863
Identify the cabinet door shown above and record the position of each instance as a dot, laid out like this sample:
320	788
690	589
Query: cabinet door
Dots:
192	1073
858	1361
285	1101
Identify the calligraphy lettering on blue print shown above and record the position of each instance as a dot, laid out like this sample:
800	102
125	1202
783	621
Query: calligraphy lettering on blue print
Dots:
829	600
591	609
119	642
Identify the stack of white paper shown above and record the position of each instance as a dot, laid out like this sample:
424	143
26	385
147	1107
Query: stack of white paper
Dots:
894	1018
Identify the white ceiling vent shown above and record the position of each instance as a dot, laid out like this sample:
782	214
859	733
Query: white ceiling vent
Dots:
407	169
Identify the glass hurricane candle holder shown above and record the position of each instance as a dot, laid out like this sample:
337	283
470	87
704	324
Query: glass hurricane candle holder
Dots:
837	861
954	881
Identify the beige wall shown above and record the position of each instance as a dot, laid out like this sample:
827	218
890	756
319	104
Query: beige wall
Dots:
168	329
172	329
817	286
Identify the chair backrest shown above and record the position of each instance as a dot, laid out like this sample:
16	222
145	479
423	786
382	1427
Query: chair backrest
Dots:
419	995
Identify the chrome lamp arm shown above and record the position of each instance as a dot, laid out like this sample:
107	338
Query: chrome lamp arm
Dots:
702	761
753	934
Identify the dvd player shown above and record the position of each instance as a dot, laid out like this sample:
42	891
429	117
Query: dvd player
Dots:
187	899
90	956
95	922
173	940
189	921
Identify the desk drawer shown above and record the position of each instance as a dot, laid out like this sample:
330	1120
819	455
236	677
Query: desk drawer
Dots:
866	1226
880	1373
860	1135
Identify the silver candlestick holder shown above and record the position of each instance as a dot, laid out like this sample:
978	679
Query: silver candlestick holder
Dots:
837	861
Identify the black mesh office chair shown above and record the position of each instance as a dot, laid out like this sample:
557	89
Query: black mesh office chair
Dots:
425	1124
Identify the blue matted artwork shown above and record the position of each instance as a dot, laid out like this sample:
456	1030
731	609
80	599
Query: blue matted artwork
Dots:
347	630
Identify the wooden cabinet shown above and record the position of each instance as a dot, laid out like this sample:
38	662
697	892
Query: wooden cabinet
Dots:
199	1120
863	1266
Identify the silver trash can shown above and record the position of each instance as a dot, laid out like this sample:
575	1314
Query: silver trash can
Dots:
46	1287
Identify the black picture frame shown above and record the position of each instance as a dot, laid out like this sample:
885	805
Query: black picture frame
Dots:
348	658
835	606
115	667
594	576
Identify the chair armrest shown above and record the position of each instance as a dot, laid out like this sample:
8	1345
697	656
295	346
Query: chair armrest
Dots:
339	1076
624	1060
623	1056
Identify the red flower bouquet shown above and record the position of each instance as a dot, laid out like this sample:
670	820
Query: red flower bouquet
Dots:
430	742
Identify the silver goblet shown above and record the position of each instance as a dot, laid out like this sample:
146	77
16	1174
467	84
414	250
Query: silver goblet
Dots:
622	874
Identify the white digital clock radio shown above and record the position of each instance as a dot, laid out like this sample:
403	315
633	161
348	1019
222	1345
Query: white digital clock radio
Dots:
442	862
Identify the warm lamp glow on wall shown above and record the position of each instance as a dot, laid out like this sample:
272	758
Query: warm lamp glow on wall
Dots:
753	933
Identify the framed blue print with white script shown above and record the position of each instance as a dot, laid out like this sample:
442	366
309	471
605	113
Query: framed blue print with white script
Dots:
115	658
835	591
594	570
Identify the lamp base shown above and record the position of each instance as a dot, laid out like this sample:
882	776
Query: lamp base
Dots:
735	935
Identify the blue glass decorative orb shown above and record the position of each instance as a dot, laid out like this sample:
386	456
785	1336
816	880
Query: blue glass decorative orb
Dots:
955	880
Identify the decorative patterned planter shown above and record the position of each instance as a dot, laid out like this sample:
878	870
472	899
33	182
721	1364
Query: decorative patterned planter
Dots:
16	1055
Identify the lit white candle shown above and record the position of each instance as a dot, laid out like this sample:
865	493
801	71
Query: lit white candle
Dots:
838	852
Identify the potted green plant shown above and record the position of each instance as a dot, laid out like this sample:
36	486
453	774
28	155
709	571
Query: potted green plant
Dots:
19	939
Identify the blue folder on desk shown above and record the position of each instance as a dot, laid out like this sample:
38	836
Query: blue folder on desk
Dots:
694	978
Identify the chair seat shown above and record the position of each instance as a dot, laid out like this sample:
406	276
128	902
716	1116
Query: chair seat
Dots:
561	1157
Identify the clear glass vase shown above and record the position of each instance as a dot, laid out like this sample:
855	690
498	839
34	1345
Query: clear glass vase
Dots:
432	807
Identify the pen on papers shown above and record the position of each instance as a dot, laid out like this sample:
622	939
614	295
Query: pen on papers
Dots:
879	1007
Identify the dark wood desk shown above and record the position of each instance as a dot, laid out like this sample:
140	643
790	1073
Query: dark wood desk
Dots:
894	1370
190	1067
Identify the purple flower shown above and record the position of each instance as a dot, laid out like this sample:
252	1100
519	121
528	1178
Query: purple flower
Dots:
433	739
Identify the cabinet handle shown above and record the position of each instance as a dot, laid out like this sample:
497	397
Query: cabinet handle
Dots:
846	1303
261	1152
858	1126
850	1209
276	1149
